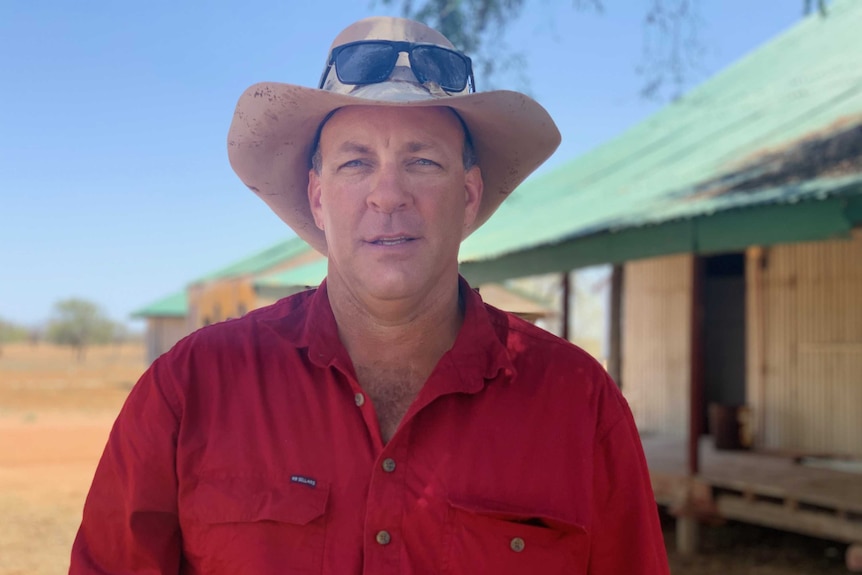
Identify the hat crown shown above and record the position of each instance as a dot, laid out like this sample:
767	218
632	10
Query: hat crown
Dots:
390	28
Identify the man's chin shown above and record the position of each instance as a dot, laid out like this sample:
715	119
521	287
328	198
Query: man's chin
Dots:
389	281
394	289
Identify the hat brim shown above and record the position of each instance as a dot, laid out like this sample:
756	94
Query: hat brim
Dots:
274	125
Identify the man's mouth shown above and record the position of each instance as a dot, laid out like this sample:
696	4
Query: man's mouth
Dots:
394	241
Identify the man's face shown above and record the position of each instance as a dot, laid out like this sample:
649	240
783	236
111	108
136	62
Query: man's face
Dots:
393	199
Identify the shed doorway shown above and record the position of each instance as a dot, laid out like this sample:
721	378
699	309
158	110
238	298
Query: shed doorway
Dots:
724	366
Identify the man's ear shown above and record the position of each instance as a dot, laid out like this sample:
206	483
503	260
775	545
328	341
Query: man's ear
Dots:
474	187
314	198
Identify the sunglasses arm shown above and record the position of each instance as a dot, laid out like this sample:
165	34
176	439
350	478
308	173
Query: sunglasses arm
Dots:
325	74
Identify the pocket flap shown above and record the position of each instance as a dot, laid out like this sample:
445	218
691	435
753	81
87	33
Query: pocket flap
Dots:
232	499
519	515
500	538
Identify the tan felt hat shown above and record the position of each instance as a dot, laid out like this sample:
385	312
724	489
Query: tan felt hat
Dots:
275	125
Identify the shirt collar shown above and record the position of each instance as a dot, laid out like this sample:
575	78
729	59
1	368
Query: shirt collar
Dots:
307	322
480	351
478	354
320	333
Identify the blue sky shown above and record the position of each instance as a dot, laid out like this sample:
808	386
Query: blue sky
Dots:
114	179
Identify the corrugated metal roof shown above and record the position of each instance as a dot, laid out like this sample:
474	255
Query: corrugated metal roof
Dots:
261	261
738	141
174	305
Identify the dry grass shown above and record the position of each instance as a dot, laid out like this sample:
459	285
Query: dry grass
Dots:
55	415
46	378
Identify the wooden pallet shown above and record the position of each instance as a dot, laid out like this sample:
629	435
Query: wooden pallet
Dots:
790	514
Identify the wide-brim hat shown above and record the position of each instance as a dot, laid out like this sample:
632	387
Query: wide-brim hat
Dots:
275	127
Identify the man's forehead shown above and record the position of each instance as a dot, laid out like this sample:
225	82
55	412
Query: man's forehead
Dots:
417	128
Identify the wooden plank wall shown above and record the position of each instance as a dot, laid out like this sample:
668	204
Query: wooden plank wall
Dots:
163	333
804	340
656	342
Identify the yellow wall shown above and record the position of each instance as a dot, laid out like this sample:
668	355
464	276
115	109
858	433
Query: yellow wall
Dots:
225	299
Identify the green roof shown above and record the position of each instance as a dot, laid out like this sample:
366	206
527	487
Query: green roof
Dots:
261	261
764	152
310	274
174	305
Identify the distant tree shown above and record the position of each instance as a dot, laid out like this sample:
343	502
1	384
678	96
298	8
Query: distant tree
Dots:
671	52
79	323
11	333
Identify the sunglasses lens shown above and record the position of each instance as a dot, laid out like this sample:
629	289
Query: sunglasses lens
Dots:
444	67
365	63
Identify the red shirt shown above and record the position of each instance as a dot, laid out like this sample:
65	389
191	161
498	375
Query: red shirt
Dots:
251	448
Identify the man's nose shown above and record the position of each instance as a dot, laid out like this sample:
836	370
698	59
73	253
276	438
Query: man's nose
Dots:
389	193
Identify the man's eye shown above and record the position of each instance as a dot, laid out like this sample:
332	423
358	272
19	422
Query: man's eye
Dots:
352	164
425	162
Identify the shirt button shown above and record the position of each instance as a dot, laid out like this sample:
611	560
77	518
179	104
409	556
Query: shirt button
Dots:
359	399
388	465
383	537
517	544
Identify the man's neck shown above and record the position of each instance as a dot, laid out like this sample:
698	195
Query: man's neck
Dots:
416	331
394	345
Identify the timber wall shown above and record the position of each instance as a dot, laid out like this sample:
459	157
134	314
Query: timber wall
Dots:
656	343
804	341
163	333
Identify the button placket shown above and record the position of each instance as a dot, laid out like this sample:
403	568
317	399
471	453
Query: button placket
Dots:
386	505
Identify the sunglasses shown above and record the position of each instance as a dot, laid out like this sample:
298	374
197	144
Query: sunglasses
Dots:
372	61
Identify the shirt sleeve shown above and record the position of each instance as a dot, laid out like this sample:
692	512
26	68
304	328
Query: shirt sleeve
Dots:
627	536
130	522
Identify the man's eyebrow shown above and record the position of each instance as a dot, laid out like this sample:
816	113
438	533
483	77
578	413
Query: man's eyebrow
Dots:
419	146
351	146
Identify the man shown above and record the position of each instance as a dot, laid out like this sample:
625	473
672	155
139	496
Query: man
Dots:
389	421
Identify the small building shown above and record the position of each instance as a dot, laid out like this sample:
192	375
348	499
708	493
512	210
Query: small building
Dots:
167	323
226	293
230	291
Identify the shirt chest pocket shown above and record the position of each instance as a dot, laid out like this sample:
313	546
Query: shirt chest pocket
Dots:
487	538
242	524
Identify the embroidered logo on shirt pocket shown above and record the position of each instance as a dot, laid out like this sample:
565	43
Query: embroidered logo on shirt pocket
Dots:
247	524
489	538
